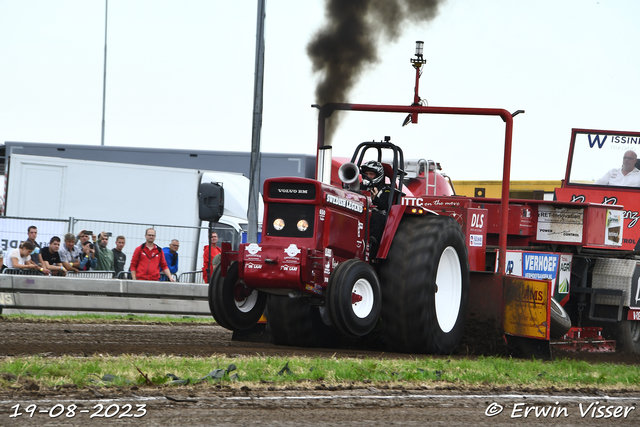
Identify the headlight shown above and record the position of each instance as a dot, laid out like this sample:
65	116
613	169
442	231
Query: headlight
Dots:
303	225
278	224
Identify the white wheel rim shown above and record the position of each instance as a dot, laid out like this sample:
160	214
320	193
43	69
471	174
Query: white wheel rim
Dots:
362	288
247	304
449	289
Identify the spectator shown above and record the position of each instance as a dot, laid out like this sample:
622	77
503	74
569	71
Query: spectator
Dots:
89	261
119	257
171	257
2	261
35	254
70	254
104	255
83	237
51	258
148	260
208	257
21	258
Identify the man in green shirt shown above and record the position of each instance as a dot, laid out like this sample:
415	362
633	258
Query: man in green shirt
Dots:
104	255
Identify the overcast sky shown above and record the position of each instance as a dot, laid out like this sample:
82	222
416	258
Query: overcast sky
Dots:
180	75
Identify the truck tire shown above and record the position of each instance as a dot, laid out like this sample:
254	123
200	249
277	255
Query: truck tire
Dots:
294	322
354	298
560	321
425	286
230	307
628	336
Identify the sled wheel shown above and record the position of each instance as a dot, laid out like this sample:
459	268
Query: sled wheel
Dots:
425	286
628	336
233	305
560	321
354	298
295	322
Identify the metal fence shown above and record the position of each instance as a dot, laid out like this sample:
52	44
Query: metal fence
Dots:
13	230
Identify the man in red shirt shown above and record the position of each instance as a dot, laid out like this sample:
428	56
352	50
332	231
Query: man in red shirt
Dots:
214	251
148	260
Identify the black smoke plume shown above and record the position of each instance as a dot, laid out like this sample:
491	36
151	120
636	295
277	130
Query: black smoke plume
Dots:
347	43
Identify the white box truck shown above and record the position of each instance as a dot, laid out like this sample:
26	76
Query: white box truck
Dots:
120	193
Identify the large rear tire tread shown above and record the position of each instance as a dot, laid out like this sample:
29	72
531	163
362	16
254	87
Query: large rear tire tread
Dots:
409	319
294	322
223	304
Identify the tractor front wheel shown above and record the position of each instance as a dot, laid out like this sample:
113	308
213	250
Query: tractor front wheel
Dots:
233	305
354	298
425	285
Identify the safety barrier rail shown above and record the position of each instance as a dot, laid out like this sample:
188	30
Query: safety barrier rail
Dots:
191	277
24	292
25	272
92	274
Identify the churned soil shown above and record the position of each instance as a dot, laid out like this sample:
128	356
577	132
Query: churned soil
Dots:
304	404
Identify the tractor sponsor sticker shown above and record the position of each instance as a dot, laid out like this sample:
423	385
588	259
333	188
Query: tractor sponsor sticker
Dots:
541	266
526	310
614	228
420	202
321	214
476	240
253	252
316	289
477	221
560	224
285	267
253	248
253	266
292	252
328	252
345	203
564	274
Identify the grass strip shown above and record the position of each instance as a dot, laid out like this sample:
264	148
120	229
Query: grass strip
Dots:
285	371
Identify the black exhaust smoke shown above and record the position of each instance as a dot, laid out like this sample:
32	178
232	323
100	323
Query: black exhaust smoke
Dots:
347	43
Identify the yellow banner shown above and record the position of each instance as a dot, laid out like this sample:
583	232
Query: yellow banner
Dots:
526	307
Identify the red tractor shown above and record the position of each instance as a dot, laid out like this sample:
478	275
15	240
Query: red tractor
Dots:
443	261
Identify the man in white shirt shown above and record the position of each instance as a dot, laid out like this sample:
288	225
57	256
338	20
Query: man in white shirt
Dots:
626	176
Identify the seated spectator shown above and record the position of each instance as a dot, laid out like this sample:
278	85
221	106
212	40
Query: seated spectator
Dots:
69	253
88	261
51	259
215	250
21	258
171	257
35	254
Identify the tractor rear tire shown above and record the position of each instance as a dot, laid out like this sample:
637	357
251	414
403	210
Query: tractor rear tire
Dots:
560	321
230	307
425	286
294	322
628	336
354	298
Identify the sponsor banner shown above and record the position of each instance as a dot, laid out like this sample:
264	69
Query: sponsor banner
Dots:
345	203
14	231
526	307
614	228
540	266
476	240
560	224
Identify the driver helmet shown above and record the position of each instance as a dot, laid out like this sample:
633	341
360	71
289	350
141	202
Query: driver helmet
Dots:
375	167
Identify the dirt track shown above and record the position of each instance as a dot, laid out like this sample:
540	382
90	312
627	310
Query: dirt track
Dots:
204	405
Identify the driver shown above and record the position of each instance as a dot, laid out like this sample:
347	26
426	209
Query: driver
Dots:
628	175
373	181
